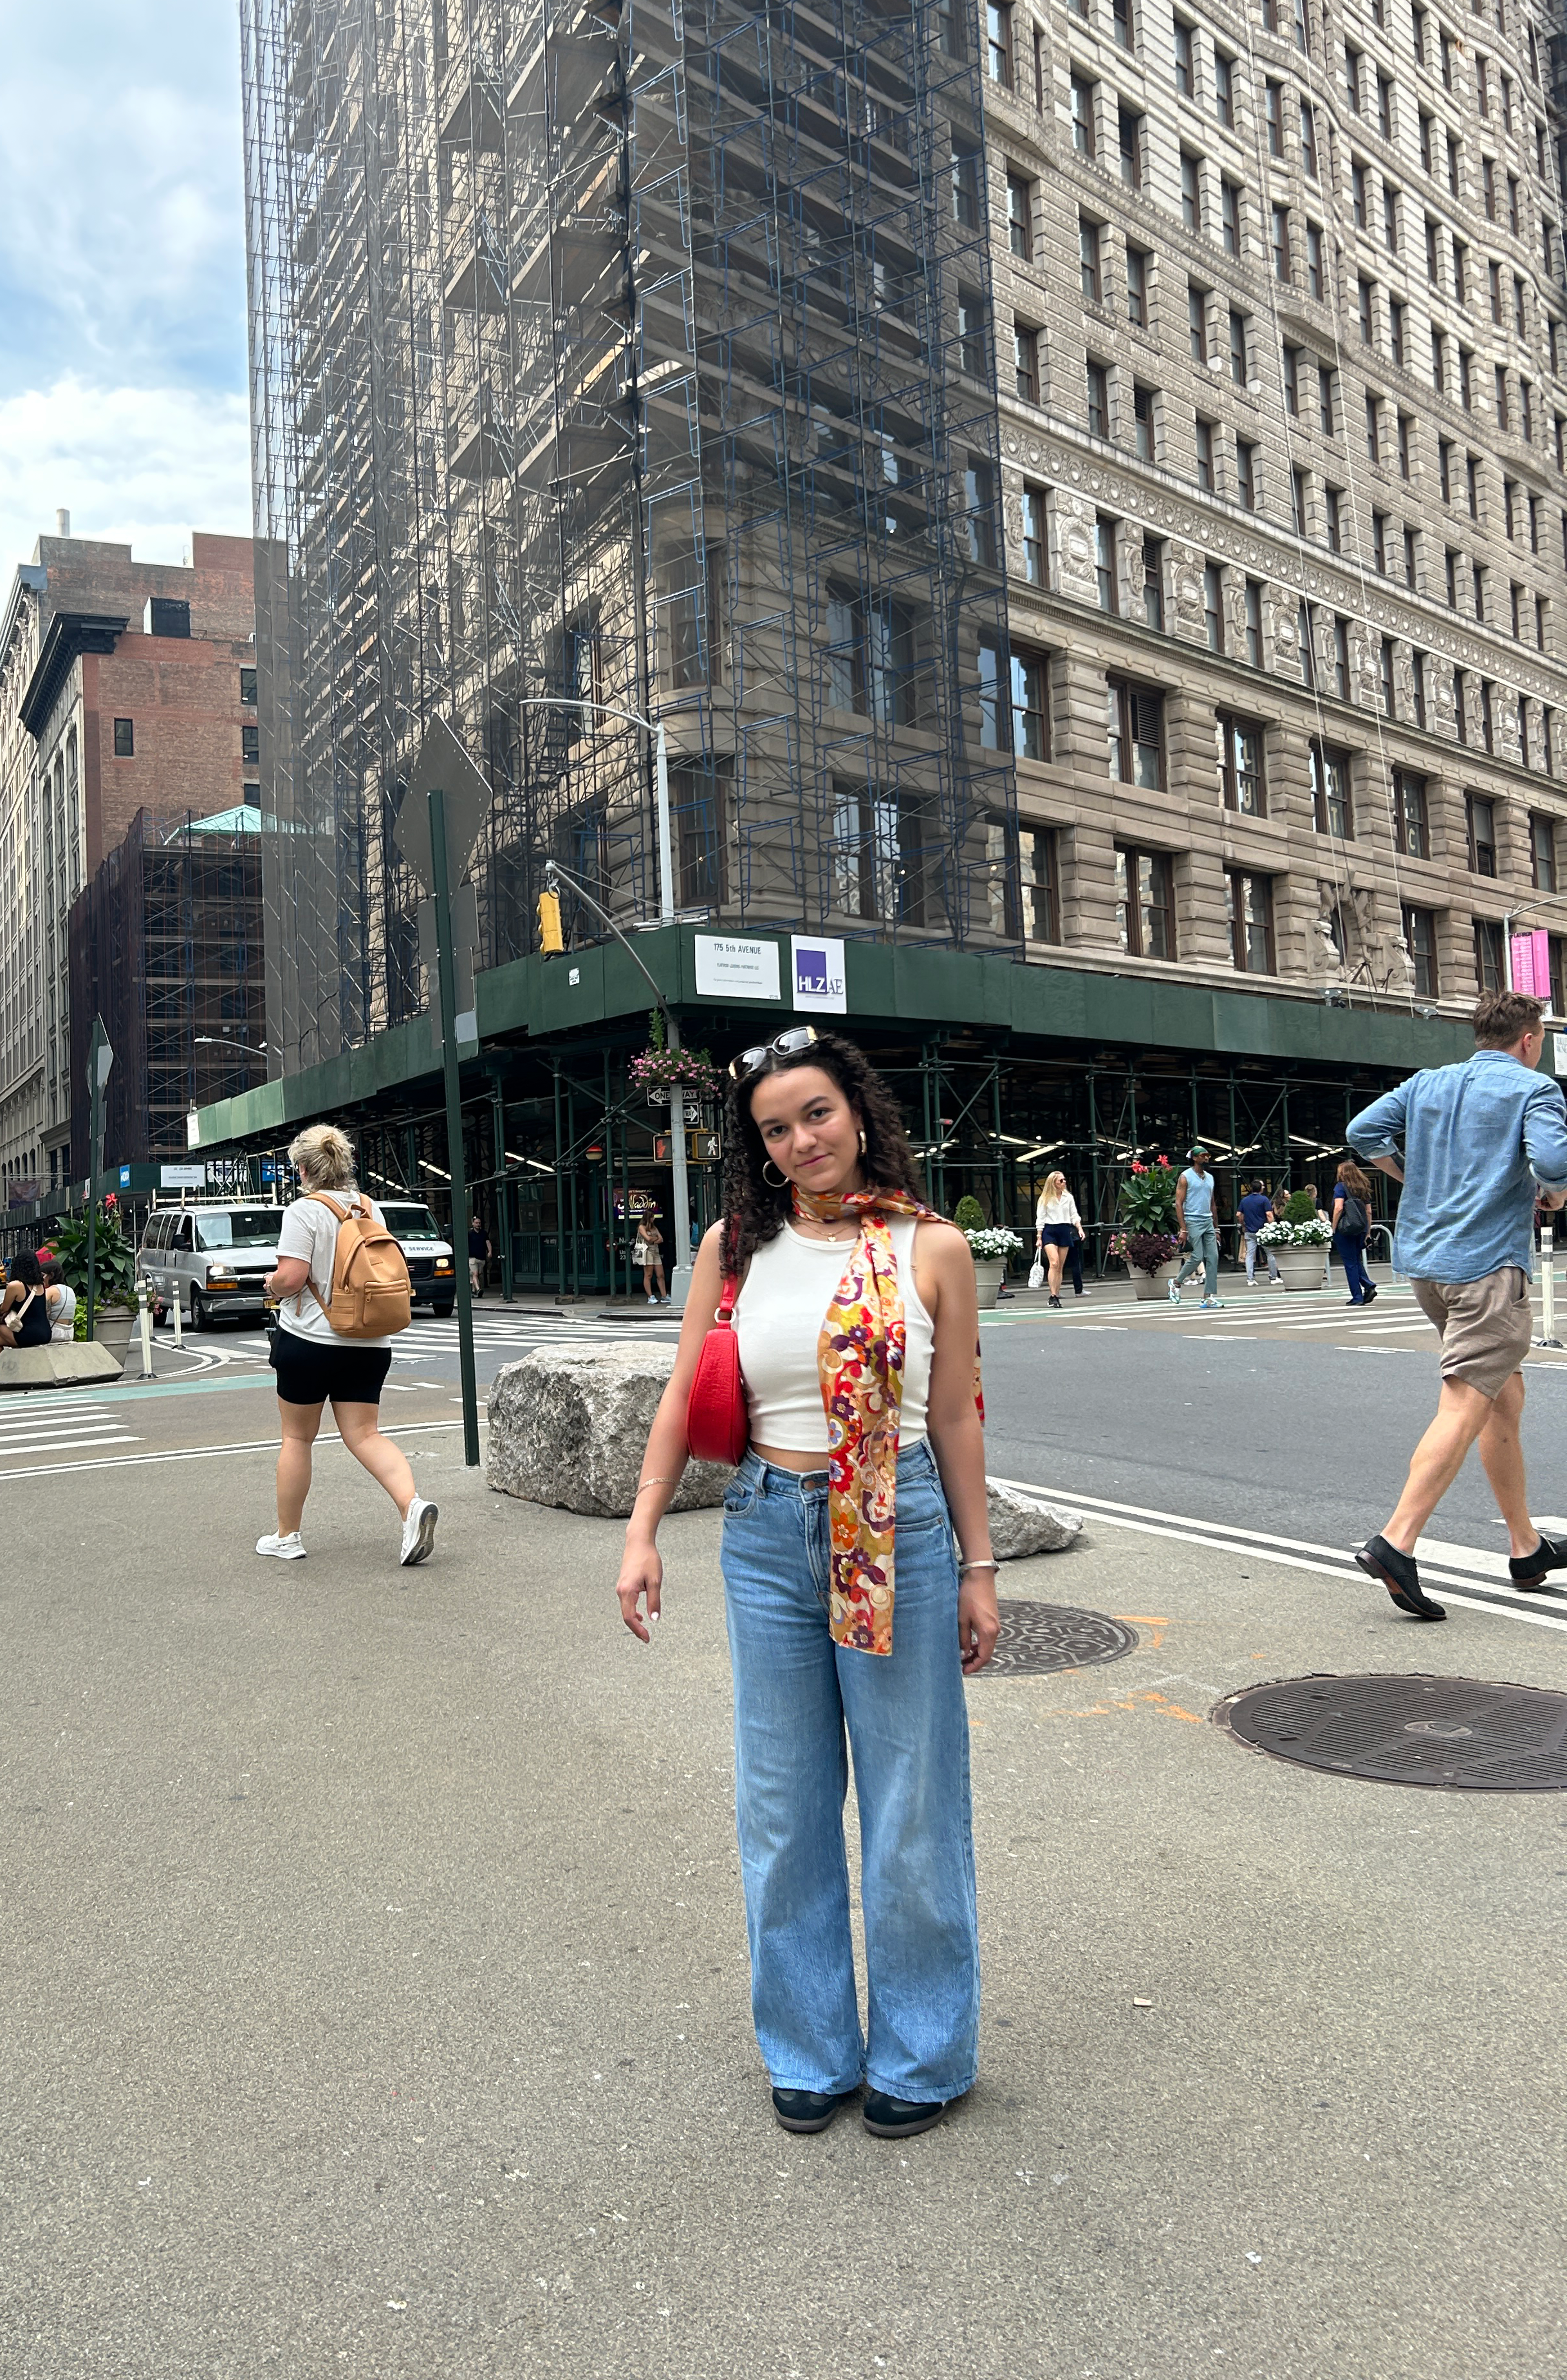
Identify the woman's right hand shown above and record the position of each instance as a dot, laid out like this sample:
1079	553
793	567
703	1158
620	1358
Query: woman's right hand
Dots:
641	1573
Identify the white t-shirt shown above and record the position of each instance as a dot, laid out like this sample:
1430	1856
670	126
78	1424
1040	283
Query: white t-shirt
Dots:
309	1230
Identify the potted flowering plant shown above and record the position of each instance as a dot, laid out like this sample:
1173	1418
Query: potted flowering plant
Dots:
114	1258
658	1070
1147	1244
993	1246
1299	1239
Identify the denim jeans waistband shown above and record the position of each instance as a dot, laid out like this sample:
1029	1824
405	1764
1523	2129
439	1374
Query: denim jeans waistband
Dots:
915	1461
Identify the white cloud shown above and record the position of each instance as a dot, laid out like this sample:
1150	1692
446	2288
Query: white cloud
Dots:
140	467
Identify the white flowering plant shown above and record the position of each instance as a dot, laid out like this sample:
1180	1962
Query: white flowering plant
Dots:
994	1245
1300	1226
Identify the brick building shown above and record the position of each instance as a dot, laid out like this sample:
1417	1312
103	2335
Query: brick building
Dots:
1281	337
125	685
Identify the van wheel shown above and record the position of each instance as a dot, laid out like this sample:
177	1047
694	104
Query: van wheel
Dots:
442	1313
201	1318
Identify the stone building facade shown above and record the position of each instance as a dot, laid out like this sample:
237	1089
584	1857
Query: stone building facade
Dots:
124	685
1281	339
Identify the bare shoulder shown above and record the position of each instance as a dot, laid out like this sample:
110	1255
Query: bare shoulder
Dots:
940	1243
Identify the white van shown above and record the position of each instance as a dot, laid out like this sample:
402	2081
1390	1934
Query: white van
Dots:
431	1265
212	1259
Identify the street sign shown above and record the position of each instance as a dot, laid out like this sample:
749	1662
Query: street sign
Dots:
100	1057
177	1177
1531	964
440	761
124	1177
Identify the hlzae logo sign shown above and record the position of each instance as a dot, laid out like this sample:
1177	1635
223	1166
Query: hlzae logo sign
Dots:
819	975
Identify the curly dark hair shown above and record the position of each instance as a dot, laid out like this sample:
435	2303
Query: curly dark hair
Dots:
753	1211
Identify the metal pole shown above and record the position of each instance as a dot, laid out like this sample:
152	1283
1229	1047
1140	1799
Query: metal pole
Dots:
95	1135
680	1278
455	1158
502	1188
1548	1287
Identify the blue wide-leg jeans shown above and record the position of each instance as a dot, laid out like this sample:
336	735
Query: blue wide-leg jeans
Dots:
797	1698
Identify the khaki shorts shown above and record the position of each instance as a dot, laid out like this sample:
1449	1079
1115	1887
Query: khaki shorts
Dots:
1486	1326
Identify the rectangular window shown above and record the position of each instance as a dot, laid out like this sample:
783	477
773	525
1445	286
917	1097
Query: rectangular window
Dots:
1357	197
1292	381
1245	474
995	713
1503	416
1137	287
1420	941
1224	89
1299	505
1230	214
1425	143
1129	139
1196	322
998	42
1241	766
1213	606
1478	575
1143	421
1153	582
1389	220
1303	34
1191	190
1248	901
1281	244
1452	175
1204	455
1447	61
1389	682
1104	563
1542	854
1309	138
1238	365
1364	298
1488	954
1254	622
1396	315
124	739
1121	18
1039	883
878	855
1487	715
1433	254
1417	678
1341	658
1460	707
1020	217
1329	791
1412	831
1417	24
1460	272
1145	906
1089	259
965	186
1472	484
1405	445
1373	427
1487	186
1450	565
1411	558
247	687
1273	112
1333	519
1034	537
980	505
1325	407
1444	468
1136	735
1520	322
1512	204
1438	374
1354	79
1494	272
1186	60
972	333
1384	107
1480	822
1031	706
1084	95
1315	284
1026	361
1098	401
250	747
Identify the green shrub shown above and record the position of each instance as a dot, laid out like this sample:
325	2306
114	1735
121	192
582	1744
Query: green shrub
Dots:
1300	1208
968	1214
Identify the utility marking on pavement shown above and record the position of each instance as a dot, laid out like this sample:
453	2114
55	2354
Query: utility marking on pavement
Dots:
199	1453
1221	1537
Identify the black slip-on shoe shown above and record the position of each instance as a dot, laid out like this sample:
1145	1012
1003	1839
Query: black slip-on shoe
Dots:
807	2111
1370	1295
1400	1575
899	2119
1527	1570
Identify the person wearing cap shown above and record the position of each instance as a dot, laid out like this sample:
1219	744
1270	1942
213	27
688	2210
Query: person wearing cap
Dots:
1195	1223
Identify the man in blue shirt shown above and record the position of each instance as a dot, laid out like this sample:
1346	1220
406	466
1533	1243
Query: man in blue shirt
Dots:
1195	1223
1473	1146
1256	1208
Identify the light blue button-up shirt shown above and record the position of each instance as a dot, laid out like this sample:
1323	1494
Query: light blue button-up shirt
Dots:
1475	1140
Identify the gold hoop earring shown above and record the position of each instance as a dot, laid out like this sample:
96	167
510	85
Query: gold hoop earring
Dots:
862	1140
782	1180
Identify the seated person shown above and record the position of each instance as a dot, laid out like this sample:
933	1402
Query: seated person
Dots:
24	1314
58	1297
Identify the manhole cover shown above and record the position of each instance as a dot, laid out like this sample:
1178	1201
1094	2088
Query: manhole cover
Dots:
1038	1636
1457	1733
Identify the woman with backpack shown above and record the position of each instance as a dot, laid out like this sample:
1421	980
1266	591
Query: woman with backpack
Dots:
1352	1221
328	1349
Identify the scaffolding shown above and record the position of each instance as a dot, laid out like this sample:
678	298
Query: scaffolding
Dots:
641	356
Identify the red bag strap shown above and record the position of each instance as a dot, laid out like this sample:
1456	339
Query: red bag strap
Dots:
727	1295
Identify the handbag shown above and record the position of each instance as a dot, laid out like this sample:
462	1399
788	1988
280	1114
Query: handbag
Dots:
1035	1275
717	1421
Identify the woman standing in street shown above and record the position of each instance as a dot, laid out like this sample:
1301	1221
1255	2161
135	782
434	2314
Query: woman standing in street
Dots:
648	1252
1060	1232
848	1603
1352	1217
315	1366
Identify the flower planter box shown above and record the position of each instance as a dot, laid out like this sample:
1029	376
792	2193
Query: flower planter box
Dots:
112	1327
1149	1285
1301	1268
988	1275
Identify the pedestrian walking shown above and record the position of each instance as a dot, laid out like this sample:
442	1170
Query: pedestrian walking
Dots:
849	1606
24	1312
58	1297
1195	1223
316	1362
480	1251
1256	1210
1470	1142
1061	1235
648	1251
1352	1221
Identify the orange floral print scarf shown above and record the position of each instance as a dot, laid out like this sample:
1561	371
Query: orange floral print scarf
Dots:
861	1356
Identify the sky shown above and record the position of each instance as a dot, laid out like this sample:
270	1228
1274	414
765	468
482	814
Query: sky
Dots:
122	275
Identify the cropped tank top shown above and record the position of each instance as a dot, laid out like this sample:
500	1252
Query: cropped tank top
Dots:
778	1319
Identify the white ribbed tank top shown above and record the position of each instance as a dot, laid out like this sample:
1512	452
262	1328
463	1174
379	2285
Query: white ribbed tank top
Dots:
778	1319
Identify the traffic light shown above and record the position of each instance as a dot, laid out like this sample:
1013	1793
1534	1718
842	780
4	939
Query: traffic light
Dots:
550	923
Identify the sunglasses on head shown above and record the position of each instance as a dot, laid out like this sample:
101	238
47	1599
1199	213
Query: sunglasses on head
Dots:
786	1045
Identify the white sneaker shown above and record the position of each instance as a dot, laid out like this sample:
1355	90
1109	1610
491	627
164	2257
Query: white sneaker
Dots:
418	1531
286	1549
1174	1295
1207	1304
652	1301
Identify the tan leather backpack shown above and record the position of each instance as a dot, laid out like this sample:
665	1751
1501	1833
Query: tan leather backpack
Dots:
370	1296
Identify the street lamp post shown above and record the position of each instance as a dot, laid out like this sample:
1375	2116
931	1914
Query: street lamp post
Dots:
680	1278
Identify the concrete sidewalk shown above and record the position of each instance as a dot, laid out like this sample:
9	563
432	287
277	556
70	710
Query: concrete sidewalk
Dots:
373	1988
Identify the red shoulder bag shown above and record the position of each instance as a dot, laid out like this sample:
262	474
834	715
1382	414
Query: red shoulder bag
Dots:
717	1421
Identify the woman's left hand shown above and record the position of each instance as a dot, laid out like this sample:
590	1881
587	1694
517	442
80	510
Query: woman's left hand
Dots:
978	1620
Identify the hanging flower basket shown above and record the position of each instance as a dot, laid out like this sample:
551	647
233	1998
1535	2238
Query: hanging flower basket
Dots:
655	1072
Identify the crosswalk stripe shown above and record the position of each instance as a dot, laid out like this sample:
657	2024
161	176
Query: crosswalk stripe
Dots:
66	1445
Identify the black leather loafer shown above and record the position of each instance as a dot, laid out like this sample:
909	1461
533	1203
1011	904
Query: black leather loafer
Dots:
1401	1575
1527	1570
899	2119
807	2111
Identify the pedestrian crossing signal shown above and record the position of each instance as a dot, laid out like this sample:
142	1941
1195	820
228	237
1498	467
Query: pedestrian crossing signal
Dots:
550	923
